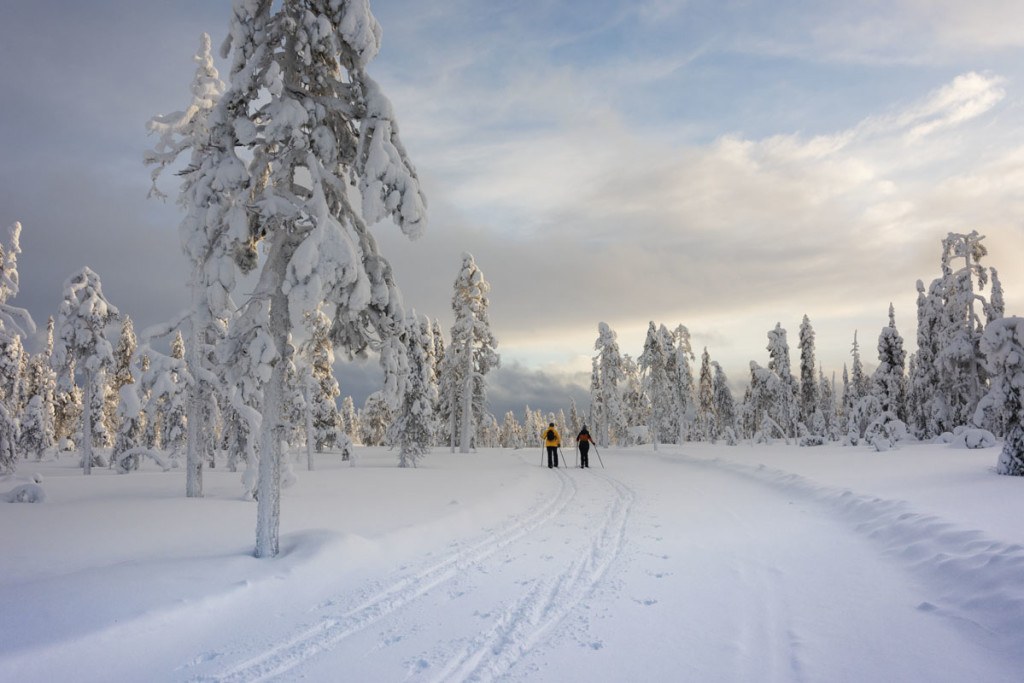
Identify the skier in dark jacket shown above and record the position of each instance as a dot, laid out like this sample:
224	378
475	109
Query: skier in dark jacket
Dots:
583	441
552	440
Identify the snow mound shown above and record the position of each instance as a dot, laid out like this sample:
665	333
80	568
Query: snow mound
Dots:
29	490
972	438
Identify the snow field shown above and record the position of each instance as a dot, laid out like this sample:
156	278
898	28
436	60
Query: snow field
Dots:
707	563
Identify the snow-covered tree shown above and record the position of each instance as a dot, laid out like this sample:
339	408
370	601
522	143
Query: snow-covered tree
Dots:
808	374
14	324
724	405
657	386
120	372
635	404
679	369
13	368
785	408
37	420
890	375
414	425
215	195
962	377
511	433
309	122
469	357
1003	348
81	342
374	419
319	356
349	419
707	423
606	410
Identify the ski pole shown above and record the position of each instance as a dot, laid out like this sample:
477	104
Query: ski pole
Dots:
599	456
577	455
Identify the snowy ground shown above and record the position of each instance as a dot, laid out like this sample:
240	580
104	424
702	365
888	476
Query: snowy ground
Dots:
703	563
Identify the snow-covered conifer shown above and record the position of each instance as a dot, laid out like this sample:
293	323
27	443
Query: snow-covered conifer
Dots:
785	408
1003	347
469	357
120	372
707	424
654	364
808	378
926	407
890	375
14	324
215	195
680	374
413	428
374	419
607	413
725	405
82	319
319	355
511	435
961	376
349	419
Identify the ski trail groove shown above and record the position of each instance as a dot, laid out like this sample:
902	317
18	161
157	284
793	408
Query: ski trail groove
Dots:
329	631
524	623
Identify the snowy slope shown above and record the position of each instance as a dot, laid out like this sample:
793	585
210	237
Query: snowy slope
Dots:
703	563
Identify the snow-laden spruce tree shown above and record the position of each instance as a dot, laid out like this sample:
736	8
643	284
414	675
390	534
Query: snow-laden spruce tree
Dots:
707	426
785	408
81	342
309	122
14	324
887	408
374	419
412	430
808	374
725	406
607	414
927	410
469	357
13	368
120	373
680	374
215	195
1003	347
856	391
324	389
657	384
511	433
349	419
962	377
37	419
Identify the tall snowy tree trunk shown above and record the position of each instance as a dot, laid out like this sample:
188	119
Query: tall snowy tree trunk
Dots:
198	431
268	485
467	399
87	425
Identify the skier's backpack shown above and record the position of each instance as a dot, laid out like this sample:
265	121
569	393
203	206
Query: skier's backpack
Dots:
551	435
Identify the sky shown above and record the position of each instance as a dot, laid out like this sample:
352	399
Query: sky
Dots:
722	165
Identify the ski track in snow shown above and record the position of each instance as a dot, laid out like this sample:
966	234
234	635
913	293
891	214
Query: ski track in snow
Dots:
526	621
975	578
329	631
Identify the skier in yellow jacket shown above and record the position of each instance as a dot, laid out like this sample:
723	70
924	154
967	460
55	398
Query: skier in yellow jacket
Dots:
552	440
